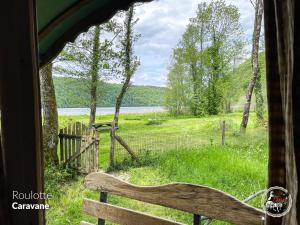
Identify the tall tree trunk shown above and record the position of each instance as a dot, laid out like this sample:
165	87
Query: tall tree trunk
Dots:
259	100
195	105
50	123
255	64
94	74
213	95
128	69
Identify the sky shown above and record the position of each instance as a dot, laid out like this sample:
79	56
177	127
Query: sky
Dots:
161	25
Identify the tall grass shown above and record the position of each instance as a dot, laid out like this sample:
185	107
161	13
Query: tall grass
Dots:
238	168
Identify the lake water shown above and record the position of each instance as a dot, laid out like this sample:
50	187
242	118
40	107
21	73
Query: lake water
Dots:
109	110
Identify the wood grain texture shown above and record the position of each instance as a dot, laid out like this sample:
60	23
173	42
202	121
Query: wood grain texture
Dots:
86	223
190	198
121	215
21	132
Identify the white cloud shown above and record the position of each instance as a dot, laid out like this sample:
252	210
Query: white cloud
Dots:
161	24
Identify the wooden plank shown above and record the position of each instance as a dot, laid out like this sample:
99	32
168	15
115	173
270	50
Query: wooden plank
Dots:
83	160
71	136
103	198
69	141
61	144
74	164
190	198
88	153
121	215
92	157
98	152
83	150
78	143
86	223
66	145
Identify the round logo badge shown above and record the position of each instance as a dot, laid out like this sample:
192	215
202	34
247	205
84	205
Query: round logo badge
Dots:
276	202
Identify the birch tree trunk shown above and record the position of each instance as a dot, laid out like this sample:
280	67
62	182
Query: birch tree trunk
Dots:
255	64
94	75
50	117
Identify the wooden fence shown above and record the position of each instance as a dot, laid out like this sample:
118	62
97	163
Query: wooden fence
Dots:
113	138
79	148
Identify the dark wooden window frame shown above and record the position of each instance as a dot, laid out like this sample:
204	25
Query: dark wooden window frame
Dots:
21	166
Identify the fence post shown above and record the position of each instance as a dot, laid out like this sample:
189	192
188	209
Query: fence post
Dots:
223	132
197	219
98	150
61	144
78	144
112	144
103	198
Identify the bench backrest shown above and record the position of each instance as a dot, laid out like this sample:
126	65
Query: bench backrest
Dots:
195	199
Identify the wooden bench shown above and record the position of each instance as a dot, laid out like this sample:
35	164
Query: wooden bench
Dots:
195	199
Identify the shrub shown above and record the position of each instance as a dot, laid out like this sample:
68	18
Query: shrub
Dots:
55	177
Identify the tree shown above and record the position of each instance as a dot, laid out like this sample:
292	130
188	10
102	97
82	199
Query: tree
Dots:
258	5
230	83
207	48
94	75
128	62
259	99
176	100
191	49
50	117
224	35
92	59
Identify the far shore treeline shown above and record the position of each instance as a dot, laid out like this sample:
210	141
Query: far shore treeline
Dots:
73	92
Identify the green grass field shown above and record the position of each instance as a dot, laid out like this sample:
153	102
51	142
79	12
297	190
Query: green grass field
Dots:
182	149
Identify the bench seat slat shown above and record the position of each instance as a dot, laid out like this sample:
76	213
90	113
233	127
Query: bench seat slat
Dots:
195	199
86	223
121	215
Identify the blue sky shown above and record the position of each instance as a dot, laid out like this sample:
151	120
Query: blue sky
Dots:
161	24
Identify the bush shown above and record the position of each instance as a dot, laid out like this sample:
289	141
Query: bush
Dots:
55	177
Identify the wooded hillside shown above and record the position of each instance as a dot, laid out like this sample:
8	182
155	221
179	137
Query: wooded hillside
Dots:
72	92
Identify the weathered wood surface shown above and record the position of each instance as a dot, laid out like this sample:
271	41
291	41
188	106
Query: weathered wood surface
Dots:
61	144
121	215
79	147
21	140
86	223
190	198
98	125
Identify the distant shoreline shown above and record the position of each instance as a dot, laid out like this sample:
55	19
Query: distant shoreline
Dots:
110	110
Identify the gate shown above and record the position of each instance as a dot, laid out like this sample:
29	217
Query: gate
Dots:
79	148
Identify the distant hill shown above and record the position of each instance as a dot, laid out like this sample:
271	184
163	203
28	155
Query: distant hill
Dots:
72	92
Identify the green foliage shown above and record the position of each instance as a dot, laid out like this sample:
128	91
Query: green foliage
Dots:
73	92
55	177
202	60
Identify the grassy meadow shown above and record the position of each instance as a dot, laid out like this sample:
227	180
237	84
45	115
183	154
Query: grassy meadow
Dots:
171	149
